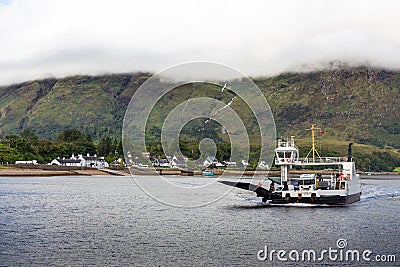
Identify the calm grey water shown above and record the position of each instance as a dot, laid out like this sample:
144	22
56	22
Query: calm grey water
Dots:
108	221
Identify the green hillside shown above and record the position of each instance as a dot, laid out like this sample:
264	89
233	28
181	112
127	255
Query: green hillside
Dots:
358	104
94	105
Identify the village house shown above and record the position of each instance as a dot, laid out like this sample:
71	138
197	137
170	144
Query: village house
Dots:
92	161
66	162
210	161
81	161
176	163
263	165
156	163
230	164
34	162
164	163
245	163
219	165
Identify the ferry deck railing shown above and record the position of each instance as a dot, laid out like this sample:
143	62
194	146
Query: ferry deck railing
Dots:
310	161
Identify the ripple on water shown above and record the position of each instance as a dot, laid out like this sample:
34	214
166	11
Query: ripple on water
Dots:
109	221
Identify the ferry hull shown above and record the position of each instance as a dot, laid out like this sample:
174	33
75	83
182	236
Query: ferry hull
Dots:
327	200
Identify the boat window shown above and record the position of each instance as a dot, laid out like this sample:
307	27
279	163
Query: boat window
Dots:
308	181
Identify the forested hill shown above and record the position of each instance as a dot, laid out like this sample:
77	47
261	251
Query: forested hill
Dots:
361	104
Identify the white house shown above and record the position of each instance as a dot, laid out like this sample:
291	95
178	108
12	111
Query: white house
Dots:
156	163
174	162
164	163
210	160
230	164
80	160
142	166
34	162
219	165
184	158
66	162
92	161
263	165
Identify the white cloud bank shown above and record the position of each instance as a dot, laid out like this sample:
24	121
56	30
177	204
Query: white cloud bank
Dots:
41	38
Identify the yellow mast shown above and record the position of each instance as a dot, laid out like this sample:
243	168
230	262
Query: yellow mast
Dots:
313	149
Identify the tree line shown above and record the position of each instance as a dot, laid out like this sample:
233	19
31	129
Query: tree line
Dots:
27	146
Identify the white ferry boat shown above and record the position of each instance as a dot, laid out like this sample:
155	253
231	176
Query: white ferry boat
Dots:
340	187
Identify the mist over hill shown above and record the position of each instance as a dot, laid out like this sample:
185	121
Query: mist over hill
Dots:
360	104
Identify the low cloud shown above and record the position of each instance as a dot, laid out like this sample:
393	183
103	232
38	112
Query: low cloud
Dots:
57	38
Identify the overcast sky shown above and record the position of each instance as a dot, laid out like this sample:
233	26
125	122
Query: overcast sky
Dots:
42	38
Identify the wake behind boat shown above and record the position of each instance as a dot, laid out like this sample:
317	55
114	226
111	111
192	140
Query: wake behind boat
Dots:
340	188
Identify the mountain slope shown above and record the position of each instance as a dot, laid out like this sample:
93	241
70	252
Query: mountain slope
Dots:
95	105
359	104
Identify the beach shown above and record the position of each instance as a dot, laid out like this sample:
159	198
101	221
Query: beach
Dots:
10	171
